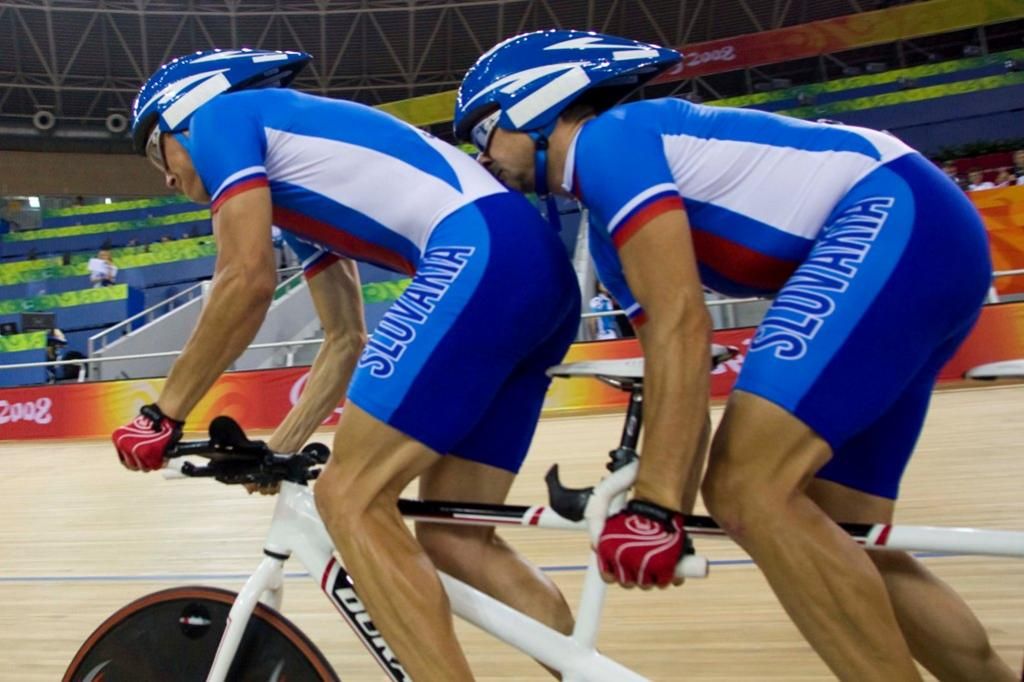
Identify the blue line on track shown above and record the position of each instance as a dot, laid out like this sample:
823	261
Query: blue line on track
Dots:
179	578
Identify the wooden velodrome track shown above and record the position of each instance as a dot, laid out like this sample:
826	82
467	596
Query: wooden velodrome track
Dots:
80	536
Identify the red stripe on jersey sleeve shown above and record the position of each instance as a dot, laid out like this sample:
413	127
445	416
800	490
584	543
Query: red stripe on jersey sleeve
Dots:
238	188
325	261
643	215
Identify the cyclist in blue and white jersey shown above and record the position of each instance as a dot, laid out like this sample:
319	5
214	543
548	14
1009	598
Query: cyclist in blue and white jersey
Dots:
604	327
878	266
449	386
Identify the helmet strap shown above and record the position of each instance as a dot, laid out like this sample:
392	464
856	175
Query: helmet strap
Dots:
540	178
184	140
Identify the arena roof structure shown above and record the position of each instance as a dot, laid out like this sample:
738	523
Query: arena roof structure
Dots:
69	69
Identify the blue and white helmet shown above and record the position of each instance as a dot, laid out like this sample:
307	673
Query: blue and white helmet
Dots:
173	94
530	79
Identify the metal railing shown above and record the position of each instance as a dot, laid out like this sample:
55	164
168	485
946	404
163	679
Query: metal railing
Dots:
993	295
293	346
99	341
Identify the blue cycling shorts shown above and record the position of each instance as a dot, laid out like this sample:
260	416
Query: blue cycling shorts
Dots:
854	340
458	362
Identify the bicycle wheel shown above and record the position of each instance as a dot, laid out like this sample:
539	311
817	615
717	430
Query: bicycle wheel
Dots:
172	636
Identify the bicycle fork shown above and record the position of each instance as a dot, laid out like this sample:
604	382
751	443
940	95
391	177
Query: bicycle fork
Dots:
295	527
267	578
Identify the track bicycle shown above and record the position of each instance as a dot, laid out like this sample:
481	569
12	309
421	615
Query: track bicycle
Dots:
192	633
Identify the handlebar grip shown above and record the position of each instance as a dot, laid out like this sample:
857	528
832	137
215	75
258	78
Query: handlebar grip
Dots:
692	566
199	447
172	470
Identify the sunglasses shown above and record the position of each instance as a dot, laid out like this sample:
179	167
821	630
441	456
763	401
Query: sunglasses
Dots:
155	150
483	131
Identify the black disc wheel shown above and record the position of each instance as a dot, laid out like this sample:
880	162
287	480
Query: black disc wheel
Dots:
172	636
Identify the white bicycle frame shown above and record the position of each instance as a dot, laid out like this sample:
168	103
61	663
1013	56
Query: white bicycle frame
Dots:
296	530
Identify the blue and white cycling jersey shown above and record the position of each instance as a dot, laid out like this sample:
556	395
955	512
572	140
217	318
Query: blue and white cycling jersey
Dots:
757	187
606	327
455	363
343	177
877	263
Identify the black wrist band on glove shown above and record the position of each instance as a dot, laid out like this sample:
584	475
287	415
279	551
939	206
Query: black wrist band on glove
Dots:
153	413
655	512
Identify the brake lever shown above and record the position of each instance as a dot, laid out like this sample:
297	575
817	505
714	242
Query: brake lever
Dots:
193	471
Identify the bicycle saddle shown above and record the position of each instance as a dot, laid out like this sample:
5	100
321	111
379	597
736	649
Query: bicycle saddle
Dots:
627	372
1007	369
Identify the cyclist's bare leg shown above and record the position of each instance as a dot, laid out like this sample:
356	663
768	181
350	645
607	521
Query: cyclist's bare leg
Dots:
477	555
762	459
357	496
943	633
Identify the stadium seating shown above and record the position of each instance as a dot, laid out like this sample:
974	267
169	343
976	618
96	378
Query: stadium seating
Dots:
19	348
81	309
86	228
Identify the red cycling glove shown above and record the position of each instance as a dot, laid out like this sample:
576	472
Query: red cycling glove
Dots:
642	544
142	443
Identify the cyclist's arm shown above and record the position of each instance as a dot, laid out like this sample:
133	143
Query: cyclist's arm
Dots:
243	287
661	270
337	296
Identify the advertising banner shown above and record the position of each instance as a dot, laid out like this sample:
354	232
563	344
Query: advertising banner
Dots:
259	400
1003	213
839	34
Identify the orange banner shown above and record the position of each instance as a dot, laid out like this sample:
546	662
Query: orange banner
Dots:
1003	213
259	400
838	34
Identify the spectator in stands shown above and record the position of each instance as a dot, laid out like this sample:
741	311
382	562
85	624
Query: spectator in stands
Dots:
278	241
603	328
72	372
5	226
102	271
1005	178
1018	166
950	169
976	181
79	201
55	341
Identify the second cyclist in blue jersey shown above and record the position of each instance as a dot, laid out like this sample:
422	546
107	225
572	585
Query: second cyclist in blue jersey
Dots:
878	266
447	388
